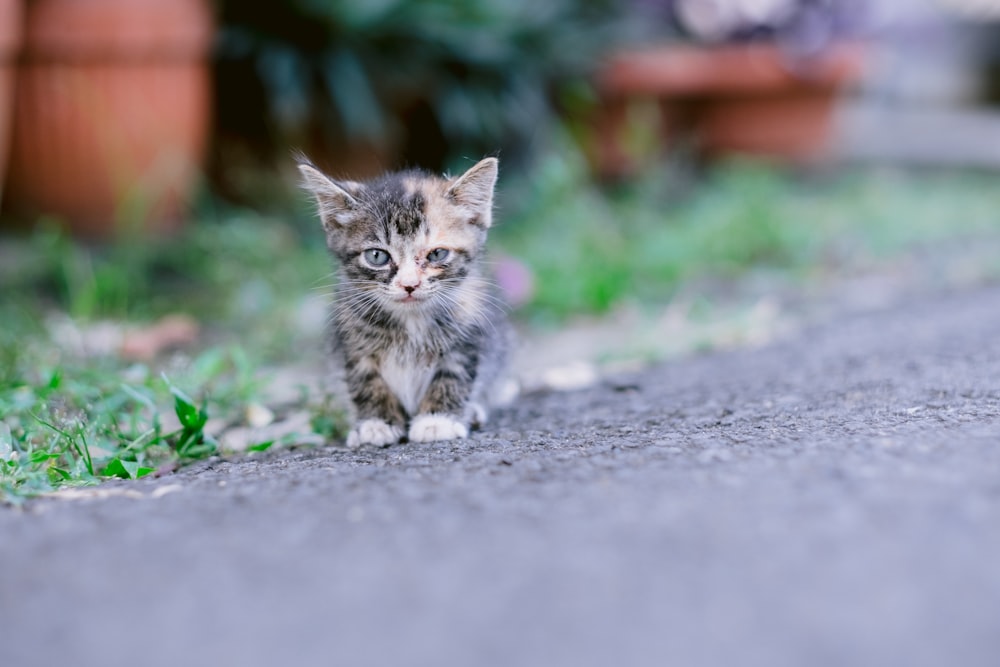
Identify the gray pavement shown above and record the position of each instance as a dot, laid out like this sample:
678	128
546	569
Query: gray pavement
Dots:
833	499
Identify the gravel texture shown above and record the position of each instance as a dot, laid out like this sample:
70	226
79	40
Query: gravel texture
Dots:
831	499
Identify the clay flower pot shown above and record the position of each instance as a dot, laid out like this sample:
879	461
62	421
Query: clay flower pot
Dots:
10	44
749	99
112	113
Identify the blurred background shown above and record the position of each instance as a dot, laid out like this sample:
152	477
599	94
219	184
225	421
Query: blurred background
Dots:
685	169
126	120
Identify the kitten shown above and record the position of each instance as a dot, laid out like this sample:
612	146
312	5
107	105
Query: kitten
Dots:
421	336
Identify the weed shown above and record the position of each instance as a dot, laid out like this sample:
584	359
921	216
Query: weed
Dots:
85	420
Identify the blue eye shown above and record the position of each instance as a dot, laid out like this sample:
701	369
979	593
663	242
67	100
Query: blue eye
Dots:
376	257
438	255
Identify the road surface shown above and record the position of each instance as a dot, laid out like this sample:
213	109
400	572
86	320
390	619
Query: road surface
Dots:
832	499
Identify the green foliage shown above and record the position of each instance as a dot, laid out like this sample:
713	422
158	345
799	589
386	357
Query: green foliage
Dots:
190	441
73	421
593	249
235	272
74	416
481	70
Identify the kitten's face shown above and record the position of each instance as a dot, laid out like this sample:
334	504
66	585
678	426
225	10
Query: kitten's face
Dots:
406	239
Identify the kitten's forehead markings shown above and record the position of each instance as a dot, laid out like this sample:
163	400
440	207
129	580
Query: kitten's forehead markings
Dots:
410	215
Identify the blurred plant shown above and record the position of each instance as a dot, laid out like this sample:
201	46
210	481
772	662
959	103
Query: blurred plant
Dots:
216	270
589	250
438	78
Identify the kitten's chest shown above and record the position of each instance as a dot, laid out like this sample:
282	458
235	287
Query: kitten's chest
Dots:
408	376
409	365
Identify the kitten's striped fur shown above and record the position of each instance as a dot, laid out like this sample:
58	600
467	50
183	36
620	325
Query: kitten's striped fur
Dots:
418	329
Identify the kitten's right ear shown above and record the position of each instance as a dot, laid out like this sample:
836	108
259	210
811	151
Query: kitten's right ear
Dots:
337	206
473	190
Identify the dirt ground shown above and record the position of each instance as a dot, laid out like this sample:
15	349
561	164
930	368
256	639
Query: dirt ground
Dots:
831	498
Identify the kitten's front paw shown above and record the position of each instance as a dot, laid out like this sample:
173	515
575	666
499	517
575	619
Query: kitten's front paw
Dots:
432	428
373	432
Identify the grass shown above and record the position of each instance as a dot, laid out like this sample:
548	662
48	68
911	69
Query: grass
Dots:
591	251
70	417
75	420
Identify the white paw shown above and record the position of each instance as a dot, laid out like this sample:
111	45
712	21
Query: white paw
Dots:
373	432
431	428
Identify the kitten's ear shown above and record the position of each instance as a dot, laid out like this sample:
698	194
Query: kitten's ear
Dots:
335	201
473	190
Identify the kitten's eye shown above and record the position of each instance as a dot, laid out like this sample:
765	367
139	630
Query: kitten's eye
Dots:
438	255
376	257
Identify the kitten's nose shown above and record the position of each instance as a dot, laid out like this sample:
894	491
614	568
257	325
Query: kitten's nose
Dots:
408	277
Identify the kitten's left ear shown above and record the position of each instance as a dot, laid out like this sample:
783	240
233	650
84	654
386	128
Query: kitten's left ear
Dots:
473	190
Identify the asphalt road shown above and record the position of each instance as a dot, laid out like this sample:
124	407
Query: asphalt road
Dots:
833	499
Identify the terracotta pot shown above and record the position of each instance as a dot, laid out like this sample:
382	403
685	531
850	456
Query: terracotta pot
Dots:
112	113
10	43
748	99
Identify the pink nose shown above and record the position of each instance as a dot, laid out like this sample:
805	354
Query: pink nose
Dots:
408	277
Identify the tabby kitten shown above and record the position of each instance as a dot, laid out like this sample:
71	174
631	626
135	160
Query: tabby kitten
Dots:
421	336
